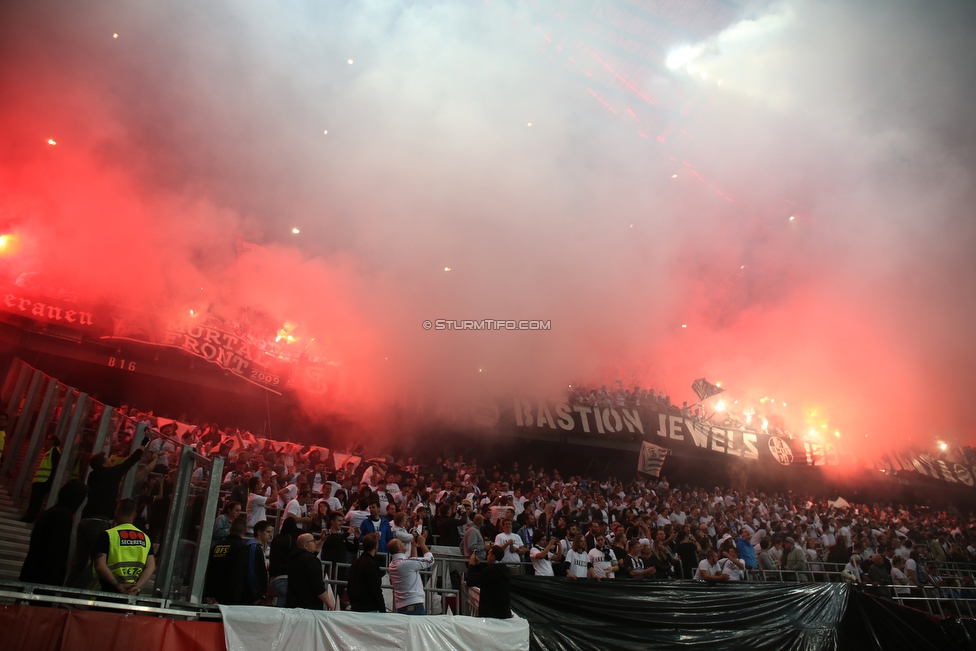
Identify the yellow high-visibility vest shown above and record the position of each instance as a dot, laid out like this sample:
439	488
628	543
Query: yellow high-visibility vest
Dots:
44	470
128	549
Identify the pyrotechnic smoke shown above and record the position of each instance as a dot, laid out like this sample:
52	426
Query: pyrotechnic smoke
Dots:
797	192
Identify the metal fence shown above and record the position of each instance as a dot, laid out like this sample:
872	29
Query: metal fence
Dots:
38	405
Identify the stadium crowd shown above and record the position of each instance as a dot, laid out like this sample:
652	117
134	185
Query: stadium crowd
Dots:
287	508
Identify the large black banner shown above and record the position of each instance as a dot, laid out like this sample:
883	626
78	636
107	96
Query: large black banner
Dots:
683	435
231	352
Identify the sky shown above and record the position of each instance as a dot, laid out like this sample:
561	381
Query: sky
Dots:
774	195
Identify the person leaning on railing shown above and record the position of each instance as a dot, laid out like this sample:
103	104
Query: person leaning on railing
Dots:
494	580
852	571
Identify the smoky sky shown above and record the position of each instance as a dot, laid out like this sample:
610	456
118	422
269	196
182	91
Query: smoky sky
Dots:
646	212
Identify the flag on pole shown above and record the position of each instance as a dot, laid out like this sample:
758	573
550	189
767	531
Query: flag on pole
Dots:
651	459
705	390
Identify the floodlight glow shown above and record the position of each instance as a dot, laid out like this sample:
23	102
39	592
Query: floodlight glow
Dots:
682	56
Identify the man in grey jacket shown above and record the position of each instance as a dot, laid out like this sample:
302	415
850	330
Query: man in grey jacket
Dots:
473	542
794	558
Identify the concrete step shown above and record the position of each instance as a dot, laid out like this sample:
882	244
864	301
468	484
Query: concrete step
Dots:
15	546
14	525
10	567
17	557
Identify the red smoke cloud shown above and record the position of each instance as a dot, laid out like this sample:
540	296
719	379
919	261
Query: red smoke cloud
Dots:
200	125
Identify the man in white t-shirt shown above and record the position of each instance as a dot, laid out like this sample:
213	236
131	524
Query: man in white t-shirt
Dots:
291	492
602	558
257	500
373	475
541	555
710	569
512	544
333	502
318	478
298	509
357	514
732	565
383	495
911	571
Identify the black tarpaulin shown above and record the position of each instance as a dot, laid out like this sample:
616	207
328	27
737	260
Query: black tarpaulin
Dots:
568	615
876	623
614	615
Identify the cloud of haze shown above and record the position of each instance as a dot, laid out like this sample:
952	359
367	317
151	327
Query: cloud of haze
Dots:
641	199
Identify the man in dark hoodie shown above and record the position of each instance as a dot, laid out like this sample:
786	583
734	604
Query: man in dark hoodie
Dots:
47	555
227	570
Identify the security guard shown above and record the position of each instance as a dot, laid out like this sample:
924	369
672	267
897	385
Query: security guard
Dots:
41	485
123	558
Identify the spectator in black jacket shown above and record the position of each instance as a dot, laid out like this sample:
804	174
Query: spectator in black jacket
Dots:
365	575
448	527
336	545
494	580
47	555
228	567
281	548
306	589
96	517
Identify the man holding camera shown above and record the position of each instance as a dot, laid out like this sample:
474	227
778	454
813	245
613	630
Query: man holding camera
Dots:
408	585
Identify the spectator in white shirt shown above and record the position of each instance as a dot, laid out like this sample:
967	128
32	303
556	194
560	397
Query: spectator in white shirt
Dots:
732	565
542	553
298	509
257	500
333	502
602	558
710	569
291	492
898	577
512	544
852	571
384	497
578	565
408	585
357	514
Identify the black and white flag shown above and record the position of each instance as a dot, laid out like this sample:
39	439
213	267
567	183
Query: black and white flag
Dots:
651	459
705	390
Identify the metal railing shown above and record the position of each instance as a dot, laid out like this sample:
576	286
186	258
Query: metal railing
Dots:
331	571
32	593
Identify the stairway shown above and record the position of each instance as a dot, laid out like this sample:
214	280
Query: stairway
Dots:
14	538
